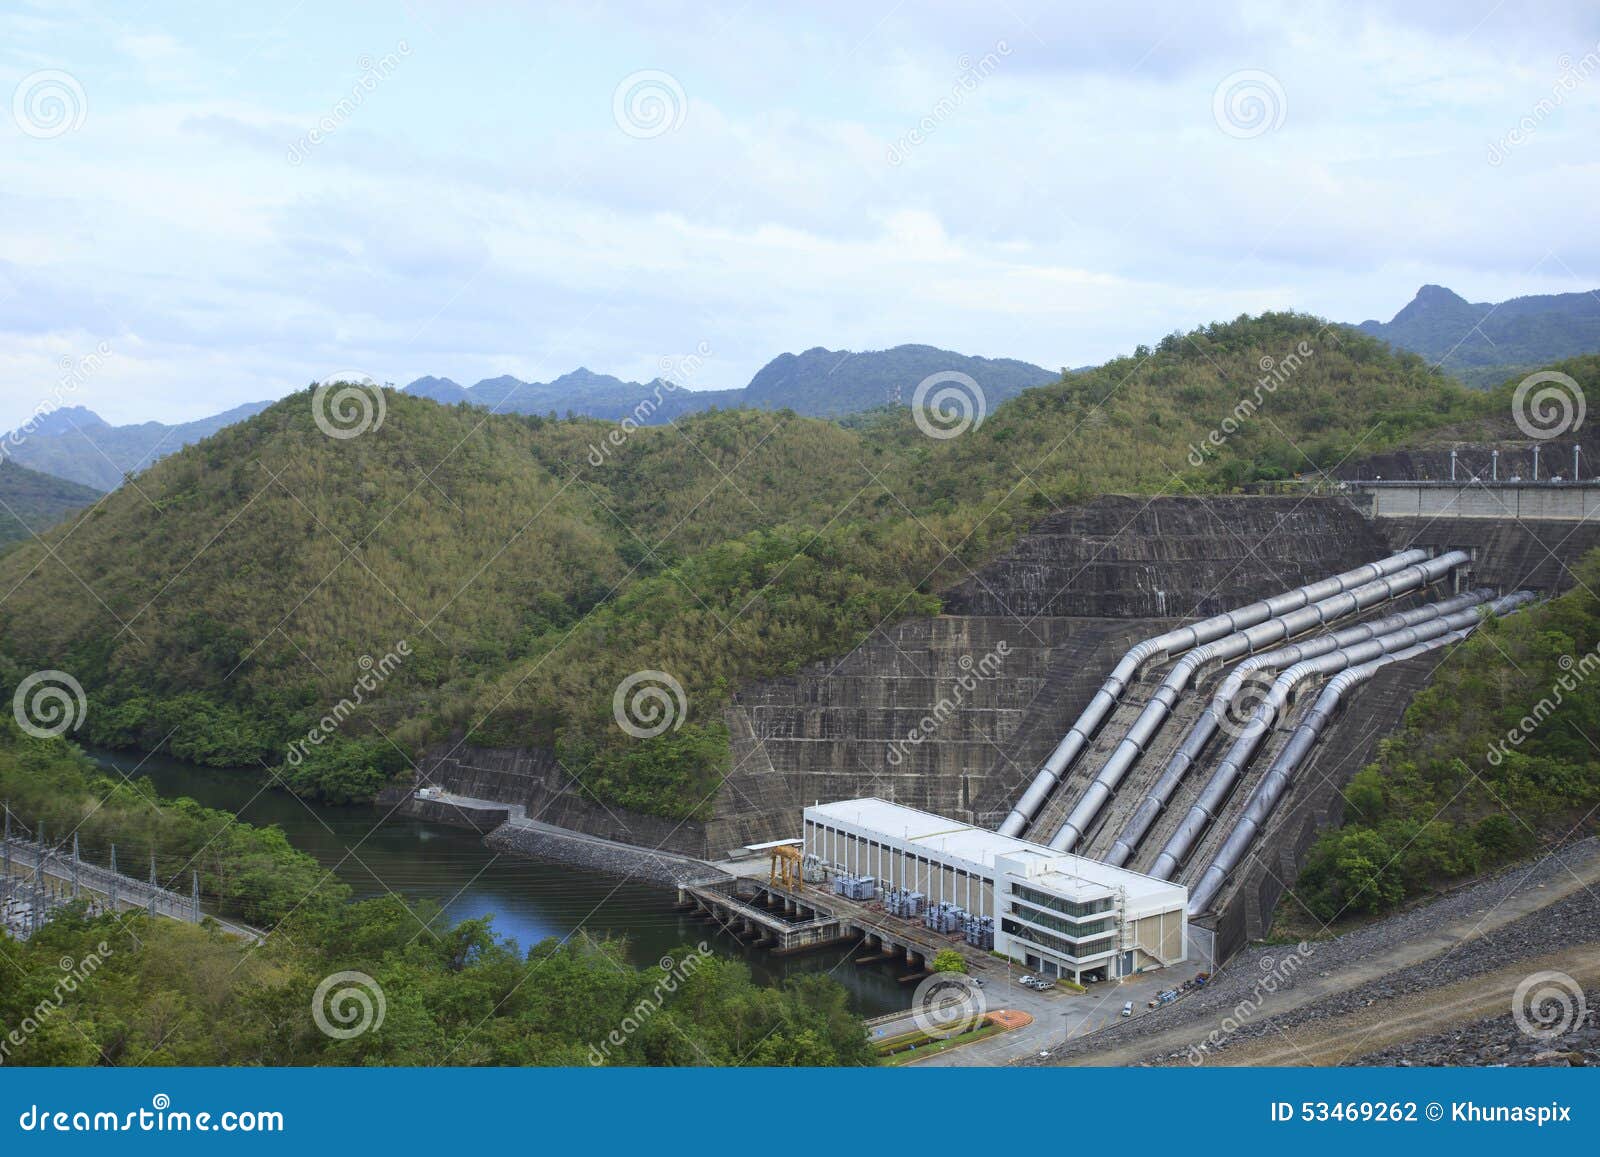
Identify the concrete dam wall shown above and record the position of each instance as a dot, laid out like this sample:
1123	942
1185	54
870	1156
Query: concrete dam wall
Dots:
953	714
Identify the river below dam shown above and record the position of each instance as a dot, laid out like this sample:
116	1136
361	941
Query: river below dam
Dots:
530	900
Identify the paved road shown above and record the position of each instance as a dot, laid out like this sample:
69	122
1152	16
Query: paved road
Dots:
1057	1015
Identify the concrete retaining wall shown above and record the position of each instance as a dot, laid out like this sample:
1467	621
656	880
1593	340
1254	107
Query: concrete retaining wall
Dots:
1531	503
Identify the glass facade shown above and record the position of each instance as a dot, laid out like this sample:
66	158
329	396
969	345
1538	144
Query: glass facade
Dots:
1076	949
1045	920
1065	907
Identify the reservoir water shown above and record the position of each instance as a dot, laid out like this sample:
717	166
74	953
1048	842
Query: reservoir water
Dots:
530	900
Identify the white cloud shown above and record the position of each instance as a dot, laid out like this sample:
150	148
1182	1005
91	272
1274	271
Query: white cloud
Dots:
482	214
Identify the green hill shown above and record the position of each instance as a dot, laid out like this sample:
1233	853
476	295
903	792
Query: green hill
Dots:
31	502
259	582
1483	343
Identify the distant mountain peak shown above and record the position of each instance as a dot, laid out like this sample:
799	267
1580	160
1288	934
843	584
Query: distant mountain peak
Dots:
1485	343
1437	295
62	420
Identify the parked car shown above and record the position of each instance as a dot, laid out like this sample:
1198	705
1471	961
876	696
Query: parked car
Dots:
1127	1008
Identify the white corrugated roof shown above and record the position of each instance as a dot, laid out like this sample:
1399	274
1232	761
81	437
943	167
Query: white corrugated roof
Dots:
1065	873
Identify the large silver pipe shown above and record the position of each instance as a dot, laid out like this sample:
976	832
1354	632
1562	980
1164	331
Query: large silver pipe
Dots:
1159	709
1228	772
1173	643
1205	727
1272	786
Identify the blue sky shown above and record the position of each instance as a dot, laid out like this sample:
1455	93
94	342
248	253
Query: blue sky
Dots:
1038	180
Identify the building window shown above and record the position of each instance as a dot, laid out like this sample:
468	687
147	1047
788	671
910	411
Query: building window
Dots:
1075	949
1065	907
1045	920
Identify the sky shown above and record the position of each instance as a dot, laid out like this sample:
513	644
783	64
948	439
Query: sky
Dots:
203	205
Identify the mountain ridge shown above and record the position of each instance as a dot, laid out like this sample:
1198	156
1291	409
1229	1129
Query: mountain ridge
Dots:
76	444
1484	343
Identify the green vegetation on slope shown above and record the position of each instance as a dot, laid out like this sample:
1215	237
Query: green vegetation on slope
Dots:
250	872
77	444
530	566
162	992
165	993
31	502
1495	760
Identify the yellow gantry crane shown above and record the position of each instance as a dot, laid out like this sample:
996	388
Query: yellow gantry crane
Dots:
786	867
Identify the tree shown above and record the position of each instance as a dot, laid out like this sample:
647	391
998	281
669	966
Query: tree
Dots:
949	960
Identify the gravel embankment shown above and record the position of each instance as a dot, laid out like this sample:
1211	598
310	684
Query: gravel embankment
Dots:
1499	1040
1270	976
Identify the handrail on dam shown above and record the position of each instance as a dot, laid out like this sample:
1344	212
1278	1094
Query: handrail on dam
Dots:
1270	790
1275	630
1173	643
1210	720
1229	771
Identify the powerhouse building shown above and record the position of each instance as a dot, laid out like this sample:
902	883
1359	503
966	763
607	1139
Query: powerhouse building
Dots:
1056	914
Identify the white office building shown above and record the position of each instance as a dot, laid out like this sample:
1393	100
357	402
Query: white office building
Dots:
1054	913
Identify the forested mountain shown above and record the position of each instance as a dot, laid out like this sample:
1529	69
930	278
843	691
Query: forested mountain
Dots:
529	566
30	501
1484	343
77	444
818	383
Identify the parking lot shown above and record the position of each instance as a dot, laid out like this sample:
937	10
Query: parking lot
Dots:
1061	1014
